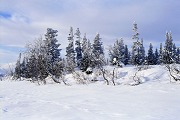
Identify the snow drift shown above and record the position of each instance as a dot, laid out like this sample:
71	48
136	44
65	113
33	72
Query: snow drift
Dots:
155	99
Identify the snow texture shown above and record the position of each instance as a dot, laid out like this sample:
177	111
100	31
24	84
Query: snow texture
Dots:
155	99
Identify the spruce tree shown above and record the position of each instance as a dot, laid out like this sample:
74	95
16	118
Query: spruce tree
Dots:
98	52
17	72
78	48
167	54
160	54
53	51
117	51
32	68
86	54
126	55
24	67
178	56
156	57
42	68
138	51
141	53
174	53
150	57
70	53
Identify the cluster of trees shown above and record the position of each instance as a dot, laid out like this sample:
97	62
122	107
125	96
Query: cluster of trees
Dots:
165	55
43	58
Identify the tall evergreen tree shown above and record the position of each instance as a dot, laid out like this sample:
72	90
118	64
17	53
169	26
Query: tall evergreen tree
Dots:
142	53
84	45
138	51
32	69
126	55
156	57
78	48
86	54
178	56
174	53
42	68
135	30
122	50
167	54
150	56
160	54
117	51
70	53
53	51
23	67
98	51
17	72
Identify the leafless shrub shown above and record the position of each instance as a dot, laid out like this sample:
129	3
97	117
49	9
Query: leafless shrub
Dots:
174	71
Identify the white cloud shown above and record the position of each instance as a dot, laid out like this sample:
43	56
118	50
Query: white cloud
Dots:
112	19
7	56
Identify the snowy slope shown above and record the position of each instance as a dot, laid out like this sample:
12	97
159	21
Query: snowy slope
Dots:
155	99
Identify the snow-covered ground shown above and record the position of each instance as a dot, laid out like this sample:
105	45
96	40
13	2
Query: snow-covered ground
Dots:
155	99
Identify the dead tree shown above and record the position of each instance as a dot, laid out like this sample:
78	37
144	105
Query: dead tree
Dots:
174	71
107	76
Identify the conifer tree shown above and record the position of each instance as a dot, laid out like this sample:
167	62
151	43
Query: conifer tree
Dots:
150	57
70	53
98	52
138	52
174	53
53	51
126	55
84	44
32	69
117	51
17	72
178	56
160	54
156	57
167	54
86	54
78	48
42	68
23	67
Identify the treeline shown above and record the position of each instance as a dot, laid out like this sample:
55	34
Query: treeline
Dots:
42	58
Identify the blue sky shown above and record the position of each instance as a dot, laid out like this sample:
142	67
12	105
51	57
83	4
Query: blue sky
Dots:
22	22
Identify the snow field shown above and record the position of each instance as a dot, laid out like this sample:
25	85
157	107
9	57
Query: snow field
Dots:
155	99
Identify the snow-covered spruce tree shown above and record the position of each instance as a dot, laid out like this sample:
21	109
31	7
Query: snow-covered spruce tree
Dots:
142	53
37	61
24	68
150	56
126	55
32	68
178	56
156	57
98	52
138	51
86	54
42	69
78	48
53	53
167	54
70	53
84	44
17	72
136	44
174	53
160	54
116	52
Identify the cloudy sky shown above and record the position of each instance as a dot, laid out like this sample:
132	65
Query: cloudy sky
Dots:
23	21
